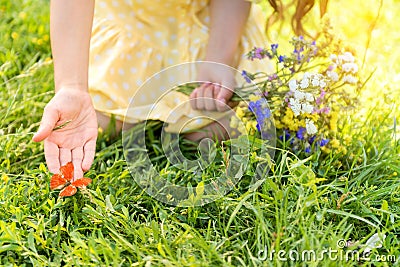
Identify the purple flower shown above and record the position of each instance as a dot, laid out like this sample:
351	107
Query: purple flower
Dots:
246	76
281	58
261	110
274	47
308	150
286	135
272	77
325	110
312	139
300	133
258	53
323	142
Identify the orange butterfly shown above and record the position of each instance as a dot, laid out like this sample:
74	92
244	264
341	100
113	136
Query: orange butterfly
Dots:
63	181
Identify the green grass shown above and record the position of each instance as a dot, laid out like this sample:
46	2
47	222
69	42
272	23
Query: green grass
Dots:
120	225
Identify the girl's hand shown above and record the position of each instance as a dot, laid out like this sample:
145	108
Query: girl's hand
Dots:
76	141
222	48
216	91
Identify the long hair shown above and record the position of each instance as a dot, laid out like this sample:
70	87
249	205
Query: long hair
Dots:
302	7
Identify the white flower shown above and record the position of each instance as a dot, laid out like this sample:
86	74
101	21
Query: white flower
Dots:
295	106
307	108
332	75
333	57
299	95
309	97
349	79
315	82
347	57
304	83
301	103
322	83
307	75
310	127
350	67
292	85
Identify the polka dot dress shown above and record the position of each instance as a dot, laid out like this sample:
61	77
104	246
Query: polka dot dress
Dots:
133	40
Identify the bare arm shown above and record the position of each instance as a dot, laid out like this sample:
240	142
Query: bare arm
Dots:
228	19
70	29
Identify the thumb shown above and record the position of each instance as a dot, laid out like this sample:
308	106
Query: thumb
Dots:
49	120
224	95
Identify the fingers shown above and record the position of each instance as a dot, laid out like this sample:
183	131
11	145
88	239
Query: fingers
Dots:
198	100
77	158
208	98
52	155
223	97
49	119
193	98
204	97
65	156
89	151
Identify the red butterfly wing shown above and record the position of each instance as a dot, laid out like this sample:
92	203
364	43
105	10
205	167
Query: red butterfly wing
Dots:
57	182
68	191
67	171
81	182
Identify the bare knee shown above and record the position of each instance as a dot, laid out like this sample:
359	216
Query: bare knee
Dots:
106	123
217	130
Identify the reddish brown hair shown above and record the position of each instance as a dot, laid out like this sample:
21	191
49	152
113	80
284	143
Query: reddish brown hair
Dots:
302	7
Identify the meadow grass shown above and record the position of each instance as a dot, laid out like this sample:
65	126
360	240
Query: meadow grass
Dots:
120	225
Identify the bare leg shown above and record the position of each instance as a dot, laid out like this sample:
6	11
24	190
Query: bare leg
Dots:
104	123
221	130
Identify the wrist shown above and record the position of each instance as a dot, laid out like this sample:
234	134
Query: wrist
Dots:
224	58
71	86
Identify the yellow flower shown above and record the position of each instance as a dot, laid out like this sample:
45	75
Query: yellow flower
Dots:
46	37
333	121
325	150
241	128
40	41
314	117
14	35
254	125
289	113
278	124
334	143
234	122
254	97
249	126
4	177
239	112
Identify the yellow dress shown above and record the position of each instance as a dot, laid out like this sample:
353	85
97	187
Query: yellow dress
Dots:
132	40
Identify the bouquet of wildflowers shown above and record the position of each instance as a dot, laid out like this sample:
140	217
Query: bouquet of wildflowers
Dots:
311	85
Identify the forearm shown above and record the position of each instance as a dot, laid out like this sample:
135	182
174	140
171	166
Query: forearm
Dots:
70	30
228	19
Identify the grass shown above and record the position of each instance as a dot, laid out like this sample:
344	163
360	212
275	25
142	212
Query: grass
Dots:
120	225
